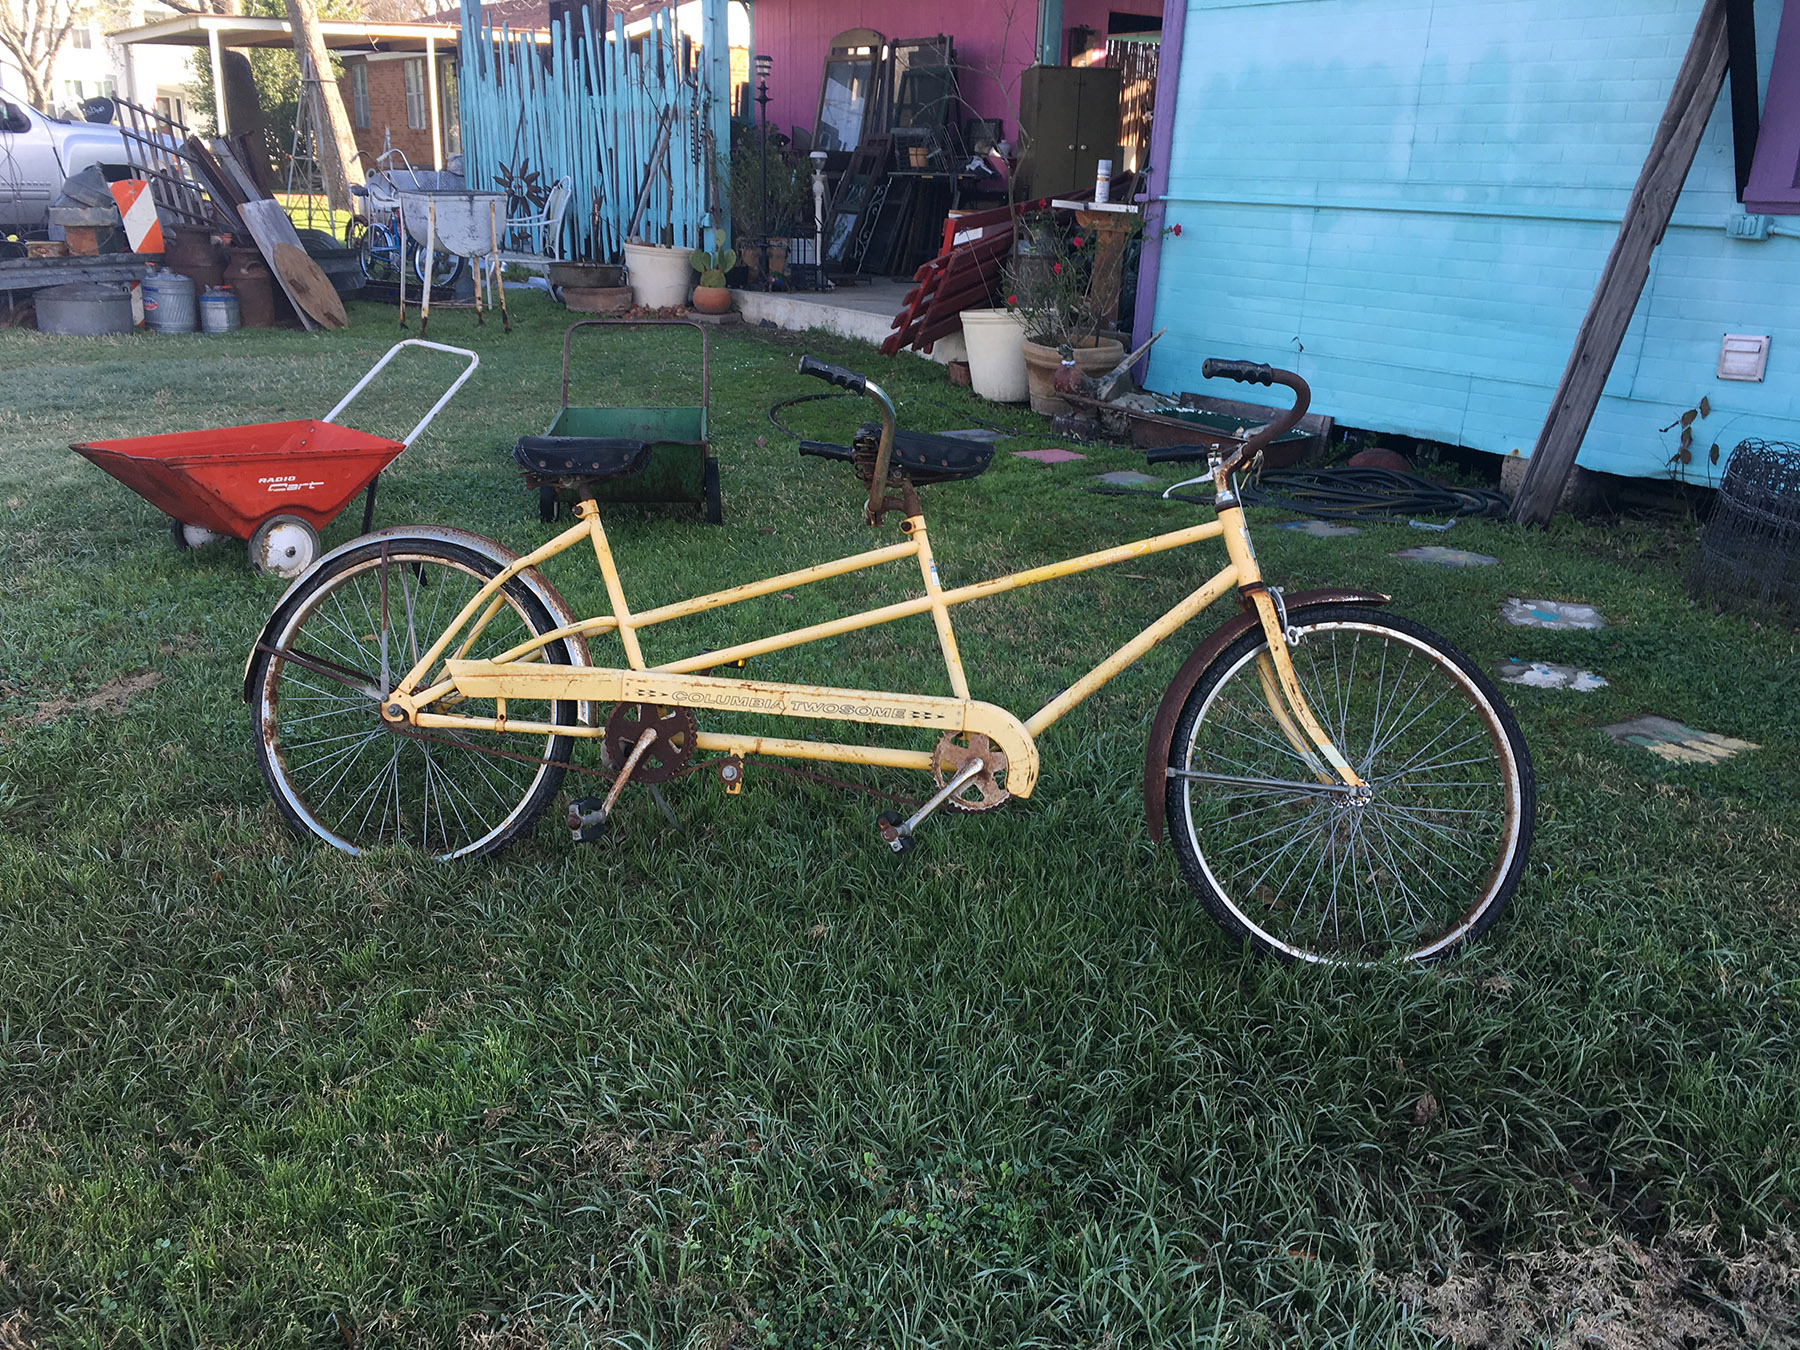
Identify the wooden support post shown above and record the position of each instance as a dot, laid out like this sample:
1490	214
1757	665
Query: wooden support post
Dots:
221	123
1696	91
431	86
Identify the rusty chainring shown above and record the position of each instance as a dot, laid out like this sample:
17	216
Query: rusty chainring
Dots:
982	792
669	753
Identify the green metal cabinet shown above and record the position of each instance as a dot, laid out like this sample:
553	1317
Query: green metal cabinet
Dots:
1069	122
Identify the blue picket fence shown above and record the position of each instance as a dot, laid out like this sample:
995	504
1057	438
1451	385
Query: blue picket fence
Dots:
595	112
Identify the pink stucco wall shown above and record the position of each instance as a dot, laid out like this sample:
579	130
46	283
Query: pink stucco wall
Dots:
995	40
991	52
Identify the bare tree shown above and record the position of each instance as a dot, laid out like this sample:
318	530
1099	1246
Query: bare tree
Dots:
335	139
34	32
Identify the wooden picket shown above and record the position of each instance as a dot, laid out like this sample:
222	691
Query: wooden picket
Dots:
591	110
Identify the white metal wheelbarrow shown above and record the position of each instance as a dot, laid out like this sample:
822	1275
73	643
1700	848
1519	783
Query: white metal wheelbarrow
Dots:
468	224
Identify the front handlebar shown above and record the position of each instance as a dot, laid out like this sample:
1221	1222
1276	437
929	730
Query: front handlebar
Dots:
1257	372
849	379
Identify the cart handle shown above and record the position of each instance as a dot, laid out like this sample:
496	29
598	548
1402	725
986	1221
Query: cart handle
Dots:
700	328
437	407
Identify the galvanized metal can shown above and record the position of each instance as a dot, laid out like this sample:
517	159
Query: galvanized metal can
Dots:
219	311
169	302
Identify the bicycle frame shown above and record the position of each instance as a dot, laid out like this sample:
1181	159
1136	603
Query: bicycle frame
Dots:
521	674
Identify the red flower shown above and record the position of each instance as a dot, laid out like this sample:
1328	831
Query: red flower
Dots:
1076	241
1012	299
1056	269
1177	229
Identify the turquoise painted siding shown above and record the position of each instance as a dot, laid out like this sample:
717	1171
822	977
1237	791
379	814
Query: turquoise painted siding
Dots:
1410	202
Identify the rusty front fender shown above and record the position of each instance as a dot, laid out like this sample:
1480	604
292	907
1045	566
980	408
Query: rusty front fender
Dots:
1162	730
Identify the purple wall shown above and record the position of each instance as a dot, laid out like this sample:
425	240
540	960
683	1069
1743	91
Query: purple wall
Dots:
994	43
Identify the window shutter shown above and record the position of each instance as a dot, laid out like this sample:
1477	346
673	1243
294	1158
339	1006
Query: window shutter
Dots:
1774	187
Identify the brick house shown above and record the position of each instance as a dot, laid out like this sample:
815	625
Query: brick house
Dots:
388	96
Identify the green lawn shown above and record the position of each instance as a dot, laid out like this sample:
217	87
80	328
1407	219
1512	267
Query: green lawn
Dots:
757	1082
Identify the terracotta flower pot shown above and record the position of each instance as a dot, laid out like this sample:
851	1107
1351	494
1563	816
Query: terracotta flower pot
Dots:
712	299
1095	356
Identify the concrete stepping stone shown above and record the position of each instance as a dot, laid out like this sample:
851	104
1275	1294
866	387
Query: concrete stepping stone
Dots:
1129	478
1677	742
1558	614
1319	529
1446	557
1546	675
1048	456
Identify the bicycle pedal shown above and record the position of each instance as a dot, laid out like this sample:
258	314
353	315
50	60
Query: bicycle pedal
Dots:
588	819
890	825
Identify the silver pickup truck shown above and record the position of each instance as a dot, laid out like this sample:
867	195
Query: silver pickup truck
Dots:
37	152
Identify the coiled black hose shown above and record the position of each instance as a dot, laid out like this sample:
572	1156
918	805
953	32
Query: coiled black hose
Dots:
1367	494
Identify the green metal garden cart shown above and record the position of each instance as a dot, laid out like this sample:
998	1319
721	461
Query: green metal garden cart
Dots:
622	454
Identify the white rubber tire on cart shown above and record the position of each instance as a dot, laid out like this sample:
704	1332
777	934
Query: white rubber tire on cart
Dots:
284	546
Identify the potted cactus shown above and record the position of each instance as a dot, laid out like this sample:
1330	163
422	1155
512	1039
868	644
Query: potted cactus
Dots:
712	295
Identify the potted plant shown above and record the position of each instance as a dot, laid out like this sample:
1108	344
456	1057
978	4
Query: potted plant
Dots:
788	206
712	295
1048	283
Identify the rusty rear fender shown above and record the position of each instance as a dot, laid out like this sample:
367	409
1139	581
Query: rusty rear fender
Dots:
1162	729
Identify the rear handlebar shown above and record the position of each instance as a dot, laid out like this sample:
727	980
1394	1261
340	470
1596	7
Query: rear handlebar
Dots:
849	379
824	370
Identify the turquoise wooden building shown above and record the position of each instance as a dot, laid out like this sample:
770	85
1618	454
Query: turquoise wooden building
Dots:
1410	202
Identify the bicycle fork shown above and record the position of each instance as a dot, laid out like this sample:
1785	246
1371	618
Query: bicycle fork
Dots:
1274	667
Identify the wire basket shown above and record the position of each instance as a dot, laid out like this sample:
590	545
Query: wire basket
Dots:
1750	549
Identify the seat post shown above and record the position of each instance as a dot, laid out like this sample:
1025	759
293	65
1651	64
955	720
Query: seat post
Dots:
914	526
589	511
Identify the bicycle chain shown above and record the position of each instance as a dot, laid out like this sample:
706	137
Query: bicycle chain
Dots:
413	733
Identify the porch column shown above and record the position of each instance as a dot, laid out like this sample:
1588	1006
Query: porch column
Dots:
715	45
437	131
218	74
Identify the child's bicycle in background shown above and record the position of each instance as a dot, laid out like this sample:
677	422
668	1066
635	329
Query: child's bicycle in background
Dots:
1339	784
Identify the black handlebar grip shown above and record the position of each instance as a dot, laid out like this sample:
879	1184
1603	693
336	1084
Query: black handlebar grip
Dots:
843	379
1245	372
826	450
1177	454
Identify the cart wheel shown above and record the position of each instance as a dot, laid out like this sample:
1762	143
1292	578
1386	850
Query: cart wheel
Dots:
715	510
547	504
284	546
190	536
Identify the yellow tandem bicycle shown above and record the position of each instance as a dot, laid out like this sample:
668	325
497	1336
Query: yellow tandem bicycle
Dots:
1339	784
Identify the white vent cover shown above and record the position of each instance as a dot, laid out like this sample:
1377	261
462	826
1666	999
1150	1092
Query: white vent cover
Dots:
1743	356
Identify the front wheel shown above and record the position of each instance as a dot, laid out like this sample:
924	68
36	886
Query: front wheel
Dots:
445	267
1421	862
337	770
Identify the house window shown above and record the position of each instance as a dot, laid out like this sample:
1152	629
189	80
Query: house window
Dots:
415	95
359	94
82	38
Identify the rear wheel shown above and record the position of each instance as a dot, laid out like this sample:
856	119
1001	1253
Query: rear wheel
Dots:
1423	861
337	770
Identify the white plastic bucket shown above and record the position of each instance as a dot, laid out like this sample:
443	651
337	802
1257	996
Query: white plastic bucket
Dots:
996	339
660	277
